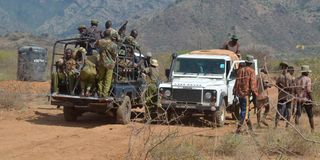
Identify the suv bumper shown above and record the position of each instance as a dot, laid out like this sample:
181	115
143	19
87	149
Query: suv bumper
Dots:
189	106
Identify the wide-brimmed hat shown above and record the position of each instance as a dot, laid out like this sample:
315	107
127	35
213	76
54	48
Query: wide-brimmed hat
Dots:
235	37
154	62
284	63
305	68
249	59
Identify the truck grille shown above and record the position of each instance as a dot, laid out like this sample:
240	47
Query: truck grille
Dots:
187	95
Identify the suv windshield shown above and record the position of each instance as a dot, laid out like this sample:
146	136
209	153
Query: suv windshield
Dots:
199	66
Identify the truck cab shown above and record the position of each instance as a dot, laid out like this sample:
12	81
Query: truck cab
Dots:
201	82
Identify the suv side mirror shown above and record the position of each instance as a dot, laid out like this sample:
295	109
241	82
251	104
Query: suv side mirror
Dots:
167	72
174	55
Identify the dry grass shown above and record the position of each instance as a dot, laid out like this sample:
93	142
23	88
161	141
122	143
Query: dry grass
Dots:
277	142
8	65
11	101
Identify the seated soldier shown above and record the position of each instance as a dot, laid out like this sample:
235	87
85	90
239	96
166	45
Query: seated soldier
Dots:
66	72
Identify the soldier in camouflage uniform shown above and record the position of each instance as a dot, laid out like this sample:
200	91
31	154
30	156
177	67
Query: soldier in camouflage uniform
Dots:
107	50
151	94
66	72
110	32
131	41
95	33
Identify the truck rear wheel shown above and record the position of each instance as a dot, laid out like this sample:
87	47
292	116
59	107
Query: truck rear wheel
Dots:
69	114
219	115
123	113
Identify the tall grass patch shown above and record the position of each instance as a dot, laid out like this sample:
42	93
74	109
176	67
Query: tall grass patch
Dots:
8	65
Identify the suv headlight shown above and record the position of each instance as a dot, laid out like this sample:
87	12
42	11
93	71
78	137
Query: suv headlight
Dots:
167	93
207	95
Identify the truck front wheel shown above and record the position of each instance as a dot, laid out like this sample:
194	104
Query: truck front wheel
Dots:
219	115
123	113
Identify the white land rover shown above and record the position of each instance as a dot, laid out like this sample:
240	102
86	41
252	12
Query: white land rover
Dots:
201	82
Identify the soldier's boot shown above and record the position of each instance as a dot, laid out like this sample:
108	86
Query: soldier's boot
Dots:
264	120
311	121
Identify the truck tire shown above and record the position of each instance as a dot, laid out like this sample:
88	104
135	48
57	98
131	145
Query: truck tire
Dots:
69	114
219	115
123	113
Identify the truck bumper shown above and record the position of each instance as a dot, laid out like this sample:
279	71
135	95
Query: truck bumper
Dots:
188	106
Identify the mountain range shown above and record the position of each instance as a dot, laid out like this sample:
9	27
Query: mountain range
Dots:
171	25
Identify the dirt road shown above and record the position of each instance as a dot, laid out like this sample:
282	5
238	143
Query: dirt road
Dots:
39	132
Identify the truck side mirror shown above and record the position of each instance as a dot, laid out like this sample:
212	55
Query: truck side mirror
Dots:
167	72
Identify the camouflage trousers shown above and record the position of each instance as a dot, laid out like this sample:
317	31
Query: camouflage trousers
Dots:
104	81
63	82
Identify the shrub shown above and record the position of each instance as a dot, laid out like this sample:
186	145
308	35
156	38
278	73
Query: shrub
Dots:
229	145
11	101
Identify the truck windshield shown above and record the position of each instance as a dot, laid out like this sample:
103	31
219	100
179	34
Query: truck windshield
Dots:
199	66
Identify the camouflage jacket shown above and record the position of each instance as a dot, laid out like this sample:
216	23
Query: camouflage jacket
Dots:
132	42
246	82
108	53
107	34
152	74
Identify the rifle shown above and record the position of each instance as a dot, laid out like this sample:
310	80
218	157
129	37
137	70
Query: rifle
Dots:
122	29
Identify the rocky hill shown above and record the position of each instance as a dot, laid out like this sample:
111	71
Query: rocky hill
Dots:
195	24
61	17
170	25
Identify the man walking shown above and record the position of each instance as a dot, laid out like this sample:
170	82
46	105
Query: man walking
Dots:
304	96
263	100
285	88
246	84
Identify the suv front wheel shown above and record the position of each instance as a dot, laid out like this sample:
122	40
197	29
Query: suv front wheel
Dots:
219	115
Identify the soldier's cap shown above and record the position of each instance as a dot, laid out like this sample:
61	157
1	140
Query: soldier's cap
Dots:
305	68
154	62
284	63
234	37
94	22
249	58
81	26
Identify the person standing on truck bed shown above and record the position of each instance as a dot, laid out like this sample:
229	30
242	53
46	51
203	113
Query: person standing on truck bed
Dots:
233	45
107	50
110	32
95	33
246	84
132	41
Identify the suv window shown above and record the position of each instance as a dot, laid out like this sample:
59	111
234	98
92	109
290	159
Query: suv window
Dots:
205	66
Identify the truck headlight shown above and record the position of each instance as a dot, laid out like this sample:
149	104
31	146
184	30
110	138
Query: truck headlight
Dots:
208	95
